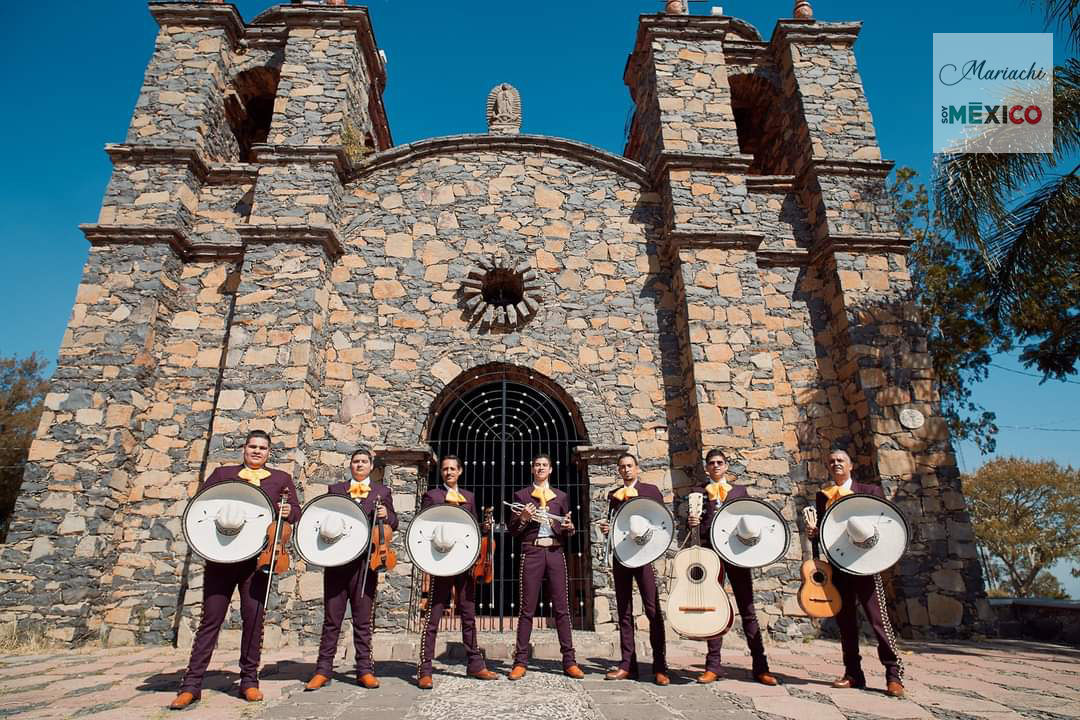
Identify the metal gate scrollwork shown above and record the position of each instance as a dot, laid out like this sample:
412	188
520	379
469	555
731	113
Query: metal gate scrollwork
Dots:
496	418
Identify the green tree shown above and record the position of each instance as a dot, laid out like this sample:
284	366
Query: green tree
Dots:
1028	248
1026	516
960	333
22	392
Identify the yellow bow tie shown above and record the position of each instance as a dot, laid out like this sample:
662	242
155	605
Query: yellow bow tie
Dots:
543	494
718	490
253	476
453	496
359	489
836	492
626	491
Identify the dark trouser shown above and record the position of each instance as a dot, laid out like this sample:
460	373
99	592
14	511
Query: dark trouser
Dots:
624	603
464	588
538	563
868	592
341	586
742	586
219	582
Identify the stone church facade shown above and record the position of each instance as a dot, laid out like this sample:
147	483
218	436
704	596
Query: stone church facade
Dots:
265	257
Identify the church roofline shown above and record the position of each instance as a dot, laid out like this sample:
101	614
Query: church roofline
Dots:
451	144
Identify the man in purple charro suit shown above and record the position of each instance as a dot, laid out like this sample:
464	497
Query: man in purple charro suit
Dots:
463	584
717	492
221	579
342	584
866	591
646	581
542	556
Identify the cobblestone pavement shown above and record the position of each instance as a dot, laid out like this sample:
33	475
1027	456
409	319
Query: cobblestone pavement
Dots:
1000	680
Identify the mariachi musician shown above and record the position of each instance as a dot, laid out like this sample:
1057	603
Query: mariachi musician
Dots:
346	584
221	579
717	492
864	590
646	581
543	557
463	584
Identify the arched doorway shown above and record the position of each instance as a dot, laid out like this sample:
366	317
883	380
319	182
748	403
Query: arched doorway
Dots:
496	418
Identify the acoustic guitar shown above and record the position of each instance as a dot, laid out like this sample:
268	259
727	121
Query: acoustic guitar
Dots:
818	597
698	607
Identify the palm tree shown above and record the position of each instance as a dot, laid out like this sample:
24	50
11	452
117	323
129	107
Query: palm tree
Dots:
1029	252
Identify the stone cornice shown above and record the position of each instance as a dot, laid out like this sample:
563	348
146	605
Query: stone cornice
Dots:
786	257
266	37
324	236
99	235
200	14
668	161
725	240
419	457
186	155
745	52
313	154
183	155
795	30
451	144
597	454
770	183
174	237
870	168
874	244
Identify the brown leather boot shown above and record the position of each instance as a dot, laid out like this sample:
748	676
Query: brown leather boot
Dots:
253	694
484	674
316	682
894	689
183	700
766	679
574	671
848	682
424	682
707	677
662	679
517	672
618	674
368	680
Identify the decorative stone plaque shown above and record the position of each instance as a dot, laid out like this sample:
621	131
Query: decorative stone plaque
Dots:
911	419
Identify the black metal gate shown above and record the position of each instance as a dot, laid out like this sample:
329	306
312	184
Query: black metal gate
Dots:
496	419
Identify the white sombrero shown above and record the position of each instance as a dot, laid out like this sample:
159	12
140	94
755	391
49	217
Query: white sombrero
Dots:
443	540
332	530
641	532
749	533
863	534
226	522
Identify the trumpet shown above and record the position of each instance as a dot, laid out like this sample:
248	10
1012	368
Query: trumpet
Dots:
539	513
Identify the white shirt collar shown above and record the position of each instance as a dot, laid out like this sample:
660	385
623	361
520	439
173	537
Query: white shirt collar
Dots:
847	484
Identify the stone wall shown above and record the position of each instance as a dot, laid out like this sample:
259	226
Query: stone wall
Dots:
682	299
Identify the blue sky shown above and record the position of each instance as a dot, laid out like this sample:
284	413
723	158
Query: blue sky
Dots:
73	71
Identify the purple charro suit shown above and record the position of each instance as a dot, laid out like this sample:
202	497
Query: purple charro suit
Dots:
341	586
538	563
742	587
219	582
464	587
868	592
650	598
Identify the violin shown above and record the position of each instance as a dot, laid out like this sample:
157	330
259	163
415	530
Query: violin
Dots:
278	534
484	569
381	557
